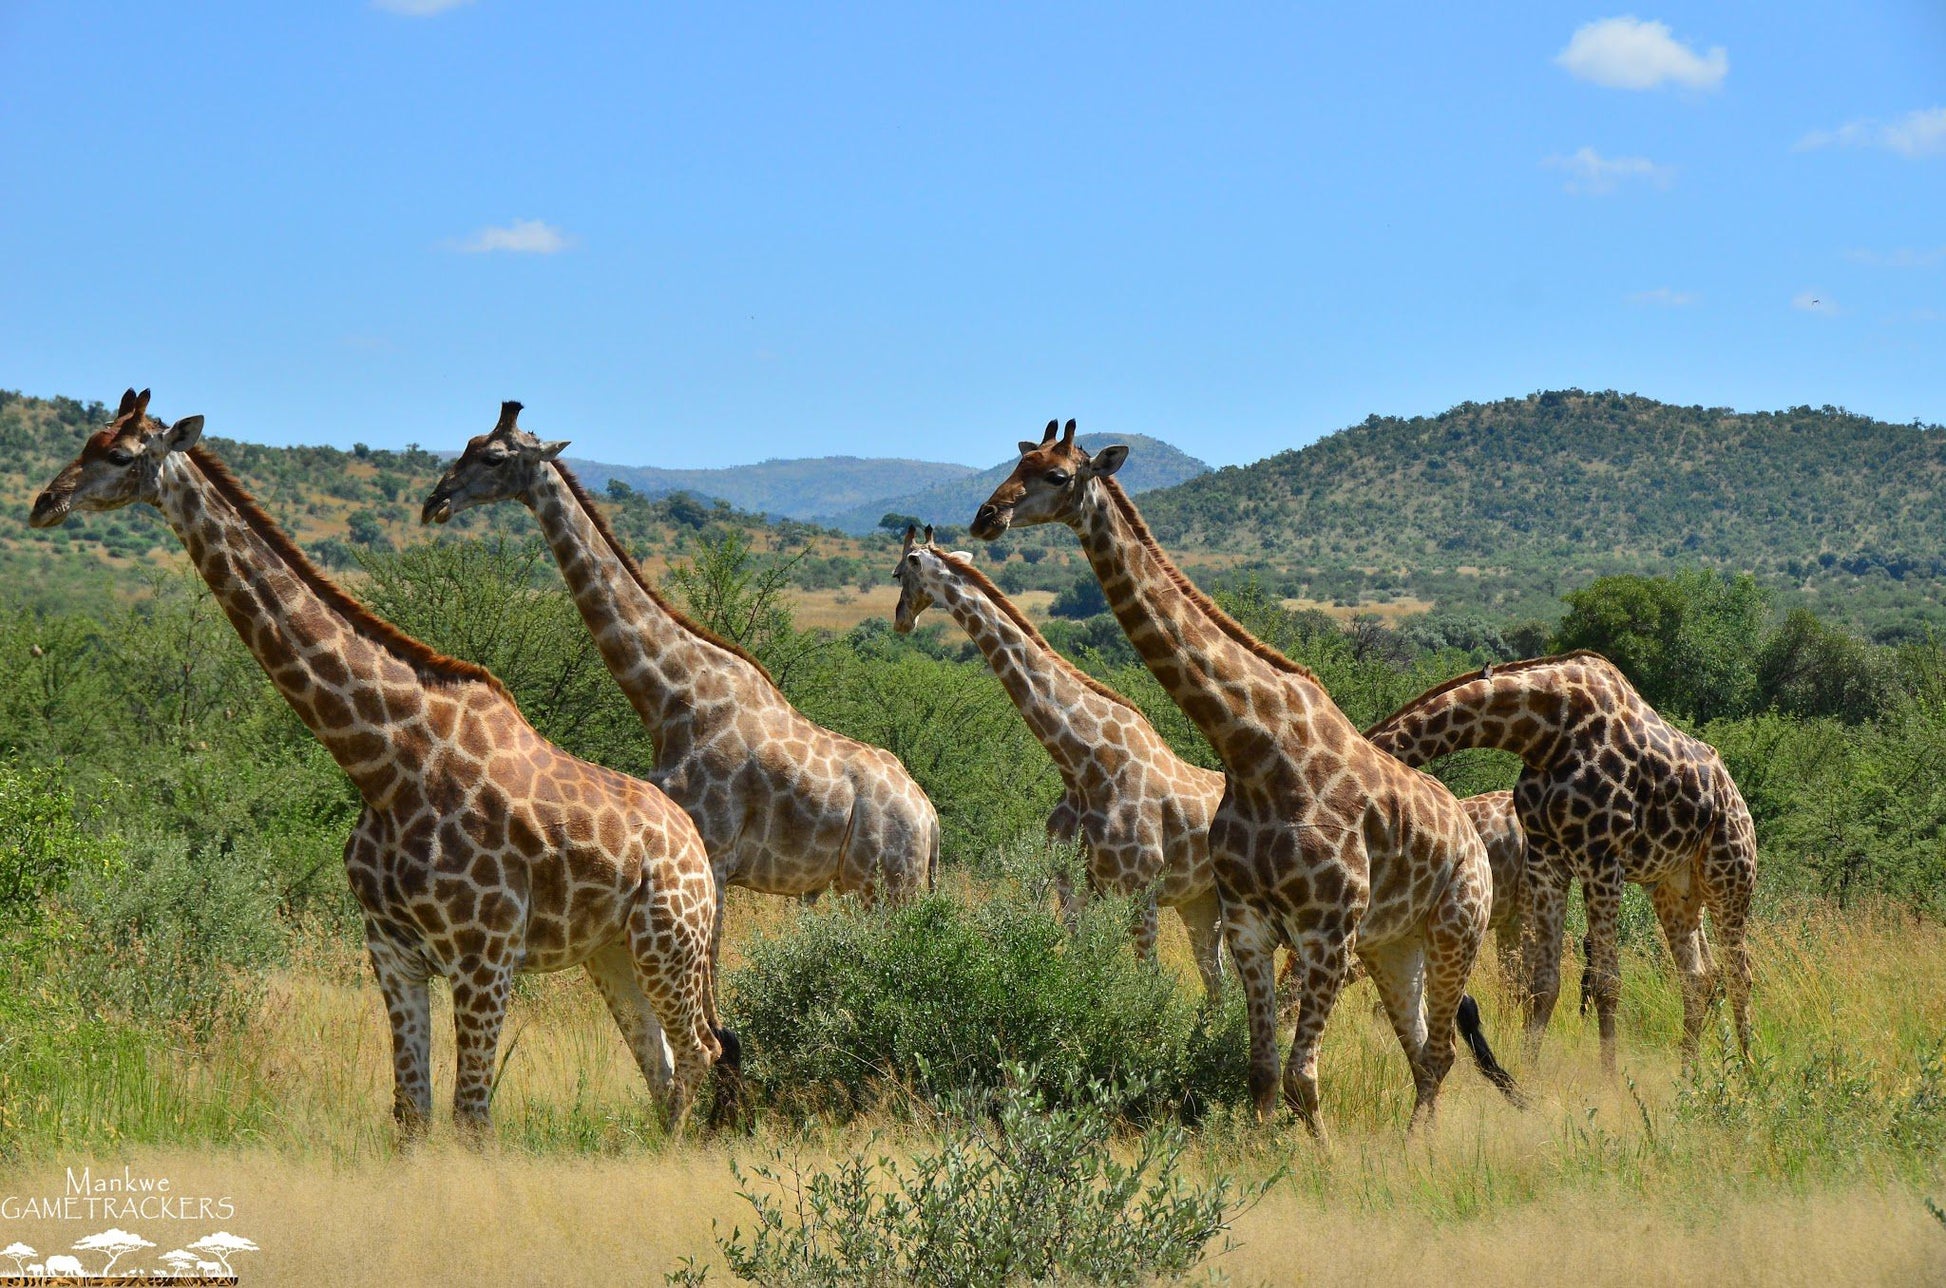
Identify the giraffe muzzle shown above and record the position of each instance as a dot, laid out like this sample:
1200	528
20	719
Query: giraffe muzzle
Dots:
49	510
438	508
991	522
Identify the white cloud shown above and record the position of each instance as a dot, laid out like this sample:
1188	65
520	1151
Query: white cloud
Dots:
521	237
1663	297
1627	53
1590	174
1902	257
418	8
1813	302
1914	135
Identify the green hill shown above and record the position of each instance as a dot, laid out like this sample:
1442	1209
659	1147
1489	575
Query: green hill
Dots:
337	504
1503	506
1152	464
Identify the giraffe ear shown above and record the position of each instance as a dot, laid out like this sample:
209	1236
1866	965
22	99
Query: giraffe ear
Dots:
184	433
1108	460
551	450
966	555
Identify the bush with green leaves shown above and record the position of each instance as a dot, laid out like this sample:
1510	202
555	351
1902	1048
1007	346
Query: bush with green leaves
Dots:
41	845
166	936
1017	1187
847	1009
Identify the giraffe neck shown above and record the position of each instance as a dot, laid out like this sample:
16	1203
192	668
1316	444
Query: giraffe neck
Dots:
655	656
1256	712
1043	684
353	683
1523	711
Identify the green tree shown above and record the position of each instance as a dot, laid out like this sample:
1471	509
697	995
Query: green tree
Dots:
1689	642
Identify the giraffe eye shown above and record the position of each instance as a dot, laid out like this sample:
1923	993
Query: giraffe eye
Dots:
121	456
1058	478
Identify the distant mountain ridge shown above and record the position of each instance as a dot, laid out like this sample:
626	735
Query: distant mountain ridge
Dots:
1152	464
800	488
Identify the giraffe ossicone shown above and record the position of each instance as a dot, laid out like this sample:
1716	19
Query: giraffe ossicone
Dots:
483	850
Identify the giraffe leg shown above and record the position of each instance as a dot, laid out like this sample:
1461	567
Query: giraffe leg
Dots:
402	977
1679	907
672	955
613	973
1506	954
1398	972
1543	914
1729	879
1602	889
1323	956
1143	928
1253	947
480	992
1202	920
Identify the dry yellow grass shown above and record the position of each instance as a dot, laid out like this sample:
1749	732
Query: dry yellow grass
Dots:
1600	1183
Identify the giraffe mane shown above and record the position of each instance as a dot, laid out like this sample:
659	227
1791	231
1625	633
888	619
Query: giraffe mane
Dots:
1499	669
1013	614
1229	625
600	520
421	656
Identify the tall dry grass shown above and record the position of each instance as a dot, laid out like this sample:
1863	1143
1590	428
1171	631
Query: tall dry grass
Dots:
1794	1173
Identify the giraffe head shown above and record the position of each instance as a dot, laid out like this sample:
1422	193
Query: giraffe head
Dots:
118	465
922	567
495	466
1049	485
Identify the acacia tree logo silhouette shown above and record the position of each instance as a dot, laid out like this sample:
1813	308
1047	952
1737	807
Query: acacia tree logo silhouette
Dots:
116	1243
209	1255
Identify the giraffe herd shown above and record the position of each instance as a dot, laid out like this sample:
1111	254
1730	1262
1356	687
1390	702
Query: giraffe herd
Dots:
484	851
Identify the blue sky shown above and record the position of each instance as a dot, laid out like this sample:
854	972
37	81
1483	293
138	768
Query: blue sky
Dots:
705	235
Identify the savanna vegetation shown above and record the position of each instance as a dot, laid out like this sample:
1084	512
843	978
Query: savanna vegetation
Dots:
962	1089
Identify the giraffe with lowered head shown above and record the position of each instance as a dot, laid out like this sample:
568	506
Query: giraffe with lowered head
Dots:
784	806
1140	812
1321	841
1609	793
483	850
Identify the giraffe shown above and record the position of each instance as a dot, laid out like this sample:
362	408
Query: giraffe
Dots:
1320	839
482	849
1609	793
784	806
1495	819
1140	812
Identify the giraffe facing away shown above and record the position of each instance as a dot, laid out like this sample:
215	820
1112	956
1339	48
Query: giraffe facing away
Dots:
1498	824
1140	812
1609	793
483	850
1321	840
784	806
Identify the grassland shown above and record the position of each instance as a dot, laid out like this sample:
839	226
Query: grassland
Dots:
1809	1168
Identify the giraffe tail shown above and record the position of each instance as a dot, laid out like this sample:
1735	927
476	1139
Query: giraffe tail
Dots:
1476	1042
730	1104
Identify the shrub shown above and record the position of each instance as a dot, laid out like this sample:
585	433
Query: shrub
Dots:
1027	1190
40	845
166	934
940	997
